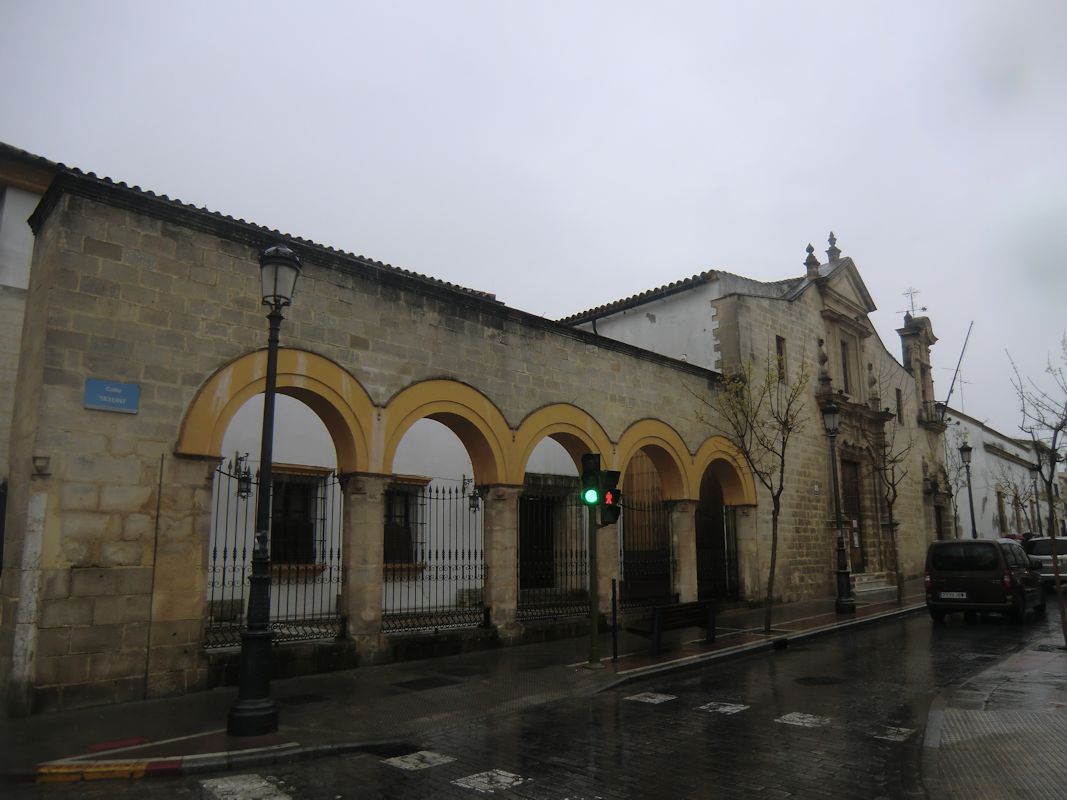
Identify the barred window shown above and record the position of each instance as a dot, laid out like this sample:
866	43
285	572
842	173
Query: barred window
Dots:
402	524
296	512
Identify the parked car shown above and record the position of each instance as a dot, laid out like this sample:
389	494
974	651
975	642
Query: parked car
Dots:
982	575
1040	548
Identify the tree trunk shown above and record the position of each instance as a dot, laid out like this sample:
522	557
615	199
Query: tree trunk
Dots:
1056	561
775	508
896	555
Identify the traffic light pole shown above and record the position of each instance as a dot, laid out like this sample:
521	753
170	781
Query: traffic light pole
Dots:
594	592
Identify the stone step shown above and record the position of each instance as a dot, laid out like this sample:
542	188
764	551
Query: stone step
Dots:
870	582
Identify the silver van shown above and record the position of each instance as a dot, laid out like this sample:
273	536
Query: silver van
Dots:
1041	549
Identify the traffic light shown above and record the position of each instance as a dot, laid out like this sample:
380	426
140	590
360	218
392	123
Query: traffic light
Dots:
591	479
610	497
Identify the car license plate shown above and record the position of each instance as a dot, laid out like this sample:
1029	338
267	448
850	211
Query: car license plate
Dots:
953	595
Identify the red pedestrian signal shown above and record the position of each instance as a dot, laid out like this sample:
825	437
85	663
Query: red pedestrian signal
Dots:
610	497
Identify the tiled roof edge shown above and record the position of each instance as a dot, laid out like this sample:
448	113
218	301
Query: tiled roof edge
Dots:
87	184
639	299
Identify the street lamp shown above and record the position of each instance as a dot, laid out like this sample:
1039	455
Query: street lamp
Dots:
965	457
254	713
845	603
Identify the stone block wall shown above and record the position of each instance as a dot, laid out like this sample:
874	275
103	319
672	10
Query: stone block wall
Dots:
806	528
132	289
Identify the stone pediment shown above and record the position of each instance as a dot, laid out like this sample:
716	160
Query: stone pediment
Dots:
843	290
845	298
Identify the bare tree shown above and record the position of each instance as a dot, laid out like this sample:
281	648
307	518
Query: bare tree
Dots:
956	477
760	409
1043	408
1018	494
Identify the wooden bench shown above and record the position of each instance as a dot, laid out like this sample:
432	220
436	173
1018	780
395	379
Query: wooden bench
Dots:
698	614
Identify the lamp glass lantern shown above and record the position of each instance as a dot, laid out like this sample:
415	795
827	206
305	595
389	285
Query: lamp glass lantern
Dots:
965	453
278	268
831	417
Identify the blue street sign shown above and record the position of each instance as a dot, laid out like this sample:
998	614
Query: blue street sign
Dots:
112	396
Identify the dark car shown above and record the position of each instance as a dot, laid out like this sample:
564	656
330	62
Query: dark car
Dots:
982	575
1040	548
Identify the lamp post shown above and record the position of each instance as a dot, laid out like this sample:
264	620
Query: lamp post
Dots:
845	603
254	713
965	457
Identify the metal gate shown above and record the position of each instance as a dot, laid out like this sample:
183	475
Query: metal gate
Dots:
716	545
553	554
647	557
306	574
434	564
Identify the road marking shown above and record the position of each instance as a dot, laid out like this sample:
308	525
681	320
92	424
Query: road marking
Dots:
891	734
724	708
489	782
420	760
803	720
242	787
651	697
98	753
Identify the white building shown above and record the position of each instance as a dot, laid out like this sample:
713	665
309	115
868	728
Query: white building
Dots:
1007	495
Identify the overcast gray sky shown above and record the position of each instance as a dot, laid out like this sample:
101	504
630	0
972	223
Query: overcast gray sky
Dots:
566	154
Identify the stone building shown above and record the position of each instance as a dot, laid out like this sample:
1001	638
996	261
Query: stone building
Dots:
143	337
720	320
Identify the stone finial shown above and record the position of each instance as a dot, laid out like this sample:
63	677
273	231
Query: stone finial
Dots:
873	395
811	263
824	371
833	252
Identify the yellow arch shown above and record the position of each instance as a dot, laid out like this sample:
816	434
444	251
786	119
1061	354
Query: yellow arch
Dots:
722	457
573	428
668	452
331	392
465	411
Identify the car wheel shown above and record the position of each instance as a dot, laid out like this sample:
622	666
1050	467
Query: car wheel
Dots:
937	616
1040	610
970	617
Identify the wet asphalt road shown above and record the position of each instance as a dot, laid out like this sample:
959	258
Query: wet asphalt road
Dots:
840	716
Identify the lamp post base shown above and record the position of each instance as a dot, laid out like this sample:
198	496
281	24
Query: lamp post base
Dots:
254	713
845	603
252	718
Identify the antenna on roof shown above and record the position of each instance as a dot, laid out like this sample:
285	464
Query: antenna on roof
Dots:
910	294
952	385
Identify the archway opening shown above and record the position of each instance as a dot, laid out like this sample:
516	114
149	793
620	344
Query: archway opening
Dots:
433	554
716	539
647	552
553	552
304	524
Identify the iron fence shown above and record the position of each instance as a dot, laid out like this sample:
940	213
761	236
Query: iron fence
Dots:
553	556
434	564
306	570
647	555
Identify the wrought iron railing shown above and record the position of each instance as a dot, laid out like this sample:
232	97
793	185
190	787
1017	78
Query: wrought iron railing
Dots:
306	570
434	570
553	556
647	554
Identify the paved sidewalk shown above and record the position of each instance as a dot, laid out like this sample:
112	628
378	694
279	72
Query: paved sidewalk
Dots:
1003	733
380	709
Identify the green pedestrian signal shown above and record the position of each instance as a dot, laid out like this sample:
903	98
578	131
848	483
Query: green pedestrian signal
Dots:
590	492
